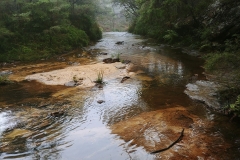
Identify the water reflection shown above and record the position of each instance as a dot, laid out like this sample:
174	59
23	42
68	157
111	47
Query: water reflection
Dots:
120	101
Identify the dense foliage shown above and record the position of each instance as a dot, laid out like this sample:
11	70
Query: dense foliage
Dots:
211	26
34	29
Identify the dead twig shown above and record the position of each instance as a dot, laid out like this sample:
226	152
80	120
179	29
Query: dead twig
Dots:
124	79
164	149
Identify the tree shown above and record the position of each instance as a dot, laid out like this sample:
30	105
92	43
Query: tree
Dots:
131	6
33	29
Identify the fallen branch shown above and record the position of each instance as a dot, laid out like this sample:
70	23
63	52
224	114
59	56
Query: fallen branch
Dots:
164	149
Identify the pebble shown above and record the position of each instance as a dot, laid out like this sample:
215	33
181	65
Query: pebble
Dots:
100	101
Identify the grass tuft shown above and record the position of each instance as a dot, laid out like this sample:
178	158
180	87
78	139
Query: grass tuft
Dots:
99	79
4	80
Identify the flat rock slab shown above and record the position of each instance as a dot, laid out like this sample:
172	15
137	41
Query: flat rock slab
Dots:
204	91
87	73
120	66
70	84
158	129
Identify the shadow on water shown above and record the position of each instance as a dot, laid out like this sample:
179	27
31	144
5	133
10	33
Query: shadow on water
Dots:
159	75
18	92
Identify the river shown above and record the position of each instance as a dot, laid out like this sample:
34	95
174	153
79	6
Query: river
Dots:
143	114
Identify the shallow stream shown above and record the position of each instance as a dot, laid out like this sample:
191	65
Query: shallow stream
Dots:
145	113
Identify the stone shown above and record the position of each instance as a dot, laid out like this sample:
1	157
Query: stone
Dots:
107	60
204	91
120	66
111	60
103	53
120	42
125	61
5	73
100	101
70	84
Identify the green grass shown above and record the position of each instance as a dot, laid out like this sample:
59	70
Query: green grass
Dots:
99	79
4	80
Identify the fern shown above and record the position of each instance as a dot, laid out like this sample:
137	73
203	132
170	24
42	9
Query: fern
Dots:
235	108
170	36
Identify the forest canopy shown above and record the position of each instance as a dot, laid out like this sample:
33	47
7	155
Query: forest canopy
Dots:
207	25
35	29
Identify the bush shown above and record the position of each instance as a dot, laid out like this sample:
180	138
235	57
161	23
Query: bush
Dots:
4	79
99	79
232	44
219	61
76	37
170	36
53	41
84	22
235	107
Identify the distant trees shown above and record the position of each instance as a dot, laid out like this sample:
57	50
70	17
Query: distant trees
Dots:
164	18
131	6
111	16
33	29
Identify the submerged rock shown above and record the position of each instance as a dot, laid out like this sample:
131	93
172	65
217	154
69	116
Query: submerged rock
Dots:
18	132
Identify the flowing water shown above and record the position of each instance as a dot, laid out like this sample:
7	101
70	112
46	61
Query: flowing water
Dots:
90	130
